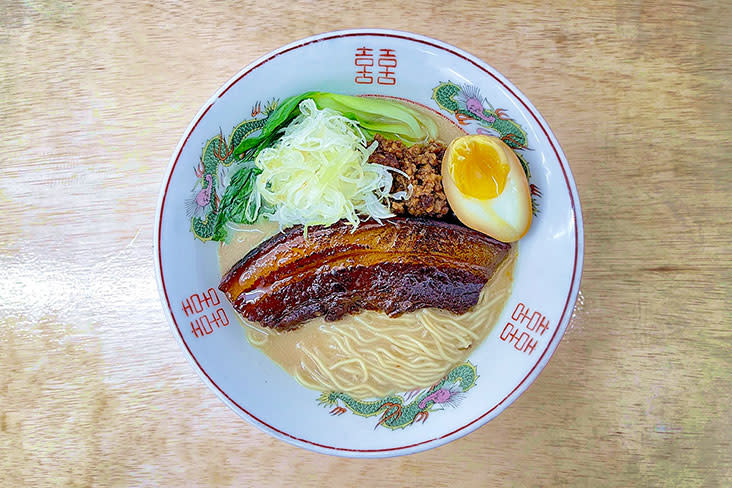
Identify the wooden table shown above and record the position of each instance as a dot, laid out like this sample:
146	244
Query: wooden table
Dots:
94	389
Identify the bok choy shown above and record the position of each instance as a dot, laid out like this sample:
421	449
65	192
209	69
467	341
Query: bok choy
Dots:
390	118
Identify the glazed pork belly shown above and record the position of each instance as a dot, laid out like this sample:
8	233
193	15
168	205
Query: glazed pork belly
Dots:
398	266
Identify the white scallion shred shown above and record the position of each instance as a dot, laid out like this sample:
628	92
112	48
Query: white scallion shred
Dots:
318	173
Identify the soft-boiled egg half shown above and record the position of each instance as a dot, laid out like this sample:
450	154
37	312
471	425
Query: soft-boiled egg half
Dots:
487	187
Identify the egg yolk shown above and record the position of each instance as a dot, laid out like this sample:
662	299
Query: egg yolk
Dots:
479	171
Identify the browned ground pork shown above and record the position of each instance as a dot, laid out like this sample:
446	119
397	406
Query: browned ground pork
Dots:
422	162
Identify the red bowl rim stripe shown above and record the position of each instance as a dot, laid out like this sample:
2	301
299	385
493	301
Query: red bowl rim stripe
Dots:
574	285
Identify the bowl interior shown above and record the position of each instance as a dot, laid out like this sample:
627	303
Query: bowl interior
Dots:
454	85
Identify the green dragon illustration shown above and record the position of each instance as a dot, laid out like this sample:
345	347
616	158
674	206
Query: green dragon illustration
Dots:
203	207
395	414
466	103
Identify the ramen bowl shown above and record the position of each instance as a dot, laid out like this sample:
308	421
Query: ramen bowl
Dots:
455	86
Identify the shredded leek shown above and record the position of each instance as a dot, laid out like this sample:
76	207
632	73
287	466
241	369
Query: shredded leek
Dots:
318	172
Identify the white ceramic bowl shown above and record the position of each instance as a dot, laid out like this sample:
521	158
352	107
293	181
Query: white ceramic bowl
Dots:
452	83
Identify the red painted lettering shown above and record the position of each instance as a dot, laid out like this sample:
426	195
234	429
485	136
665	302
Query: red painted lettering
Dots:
206	324
534	323
187	307
219	318
203	325
509	332
521	341
211	298
196	328
388	64
520	312
543	325
364	60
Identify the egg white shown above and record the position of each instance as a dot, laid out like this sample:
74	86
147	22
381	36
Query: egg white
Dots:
506	217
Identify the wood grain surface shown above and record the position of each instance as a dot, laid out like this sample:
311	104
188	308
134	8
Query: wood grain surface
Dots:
94	390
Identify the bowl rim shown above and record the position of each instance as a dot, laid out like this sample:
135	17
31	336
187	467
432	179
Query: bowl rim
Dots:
540	363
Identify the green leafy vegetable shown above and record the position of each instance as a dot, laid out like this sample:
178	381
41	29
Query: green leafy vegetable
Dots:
240	203
390	118
243	198
285	112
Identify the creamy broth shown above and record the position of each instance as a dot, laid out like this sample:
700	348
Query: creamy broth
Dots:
370	354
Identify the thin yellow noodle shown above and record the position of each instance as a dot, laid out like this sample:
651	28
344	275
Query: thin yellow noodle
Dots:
257	342
332	376
351	353
304	380
414	357
422	348
452	329
323	369
343	345
403	372
356	337
456	332
397	371
364	323
323	383
454	325
387	373
359	362
341	364
437	343
495	298
370	355
354	374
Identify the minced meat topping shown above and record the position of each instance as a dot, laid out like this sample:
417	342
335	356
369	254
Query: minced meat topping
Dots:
422	162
